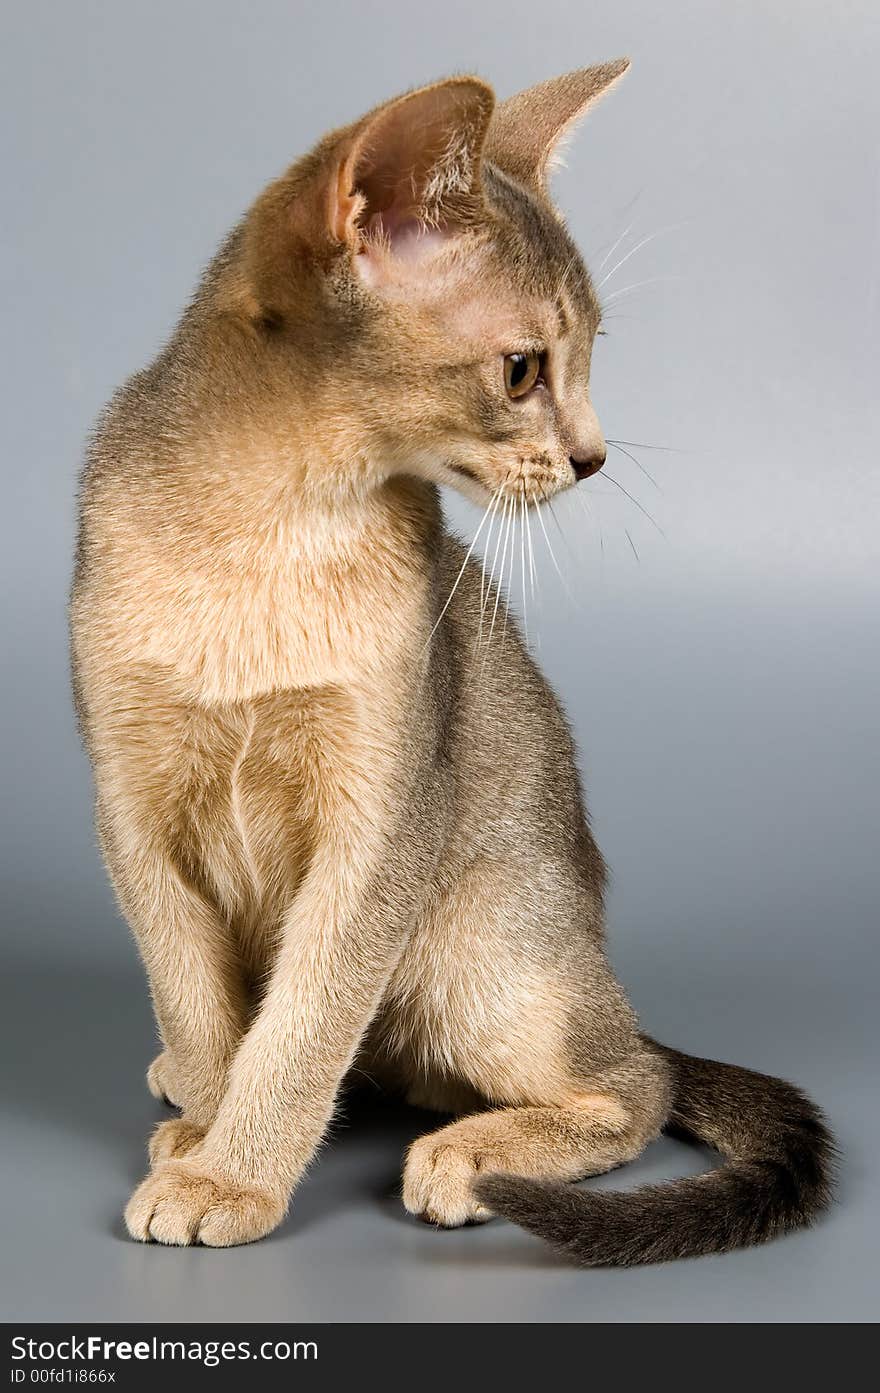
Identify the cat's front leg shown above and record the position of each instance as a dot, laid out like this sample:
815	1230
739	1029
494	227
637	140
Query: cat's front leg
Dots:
198	989
341	941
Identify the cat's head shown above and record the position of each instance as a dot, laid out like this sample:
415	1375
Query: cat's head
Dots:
413	273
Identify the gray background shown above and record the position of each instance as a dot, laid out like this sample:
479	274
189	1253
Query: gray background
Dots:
723	686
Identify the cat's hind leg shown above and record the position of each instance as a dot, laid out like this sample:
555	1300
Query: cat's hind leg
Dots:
506	987
591	1133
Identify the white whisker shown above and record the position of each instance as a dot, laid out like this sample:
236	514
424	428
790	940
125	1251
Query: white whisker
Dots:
486	582
551	551
505	528
636	285
638	246
563	279
558	526
508	584
532	584
532	573
612	249
522	556
496	499
457	579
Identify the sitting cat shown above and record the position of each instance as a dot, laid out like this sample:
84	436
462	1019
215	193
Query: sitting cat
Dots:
338	802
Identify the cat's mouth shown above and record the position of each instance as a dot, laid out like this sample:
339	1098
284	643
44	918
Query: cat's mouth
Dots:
524	485
467	473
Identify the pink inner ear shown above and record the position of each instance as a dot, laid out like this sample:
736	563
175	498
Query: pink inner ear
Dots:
397	248
406	237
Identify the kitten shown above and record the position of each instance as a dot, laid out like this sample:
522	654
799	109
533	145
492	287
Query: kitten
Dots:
340	809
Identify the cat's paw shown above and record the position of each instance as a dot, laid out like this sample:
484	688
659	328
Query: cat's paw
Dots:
438	1182
181	1204
173	1138
161	1081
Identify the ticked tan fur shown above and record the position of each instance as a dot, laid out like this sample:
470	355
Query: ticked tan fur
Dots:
342	821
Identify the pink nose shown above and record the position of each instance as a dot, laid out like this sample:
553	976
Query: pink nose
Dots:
588	466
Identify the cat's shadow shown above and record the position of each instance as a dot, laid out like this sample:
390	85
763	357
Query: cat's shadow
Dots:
79	1039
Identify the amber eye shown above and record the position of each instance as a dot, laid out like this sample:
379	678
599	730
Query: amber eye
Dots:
521	372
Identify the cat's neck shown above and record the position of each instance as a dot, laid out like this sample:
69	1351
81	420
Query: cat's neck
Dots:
260	580
279	500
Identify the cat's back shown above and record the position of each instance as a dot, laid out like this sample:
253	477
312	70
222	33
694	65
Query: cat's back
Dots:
126	438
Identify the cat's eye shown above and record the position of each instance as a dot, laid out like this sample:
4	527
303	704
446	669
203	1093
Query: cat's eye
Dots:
521	372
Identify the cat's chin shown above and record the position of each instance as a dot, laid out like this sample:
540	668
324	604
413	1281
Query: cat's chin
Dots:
448	474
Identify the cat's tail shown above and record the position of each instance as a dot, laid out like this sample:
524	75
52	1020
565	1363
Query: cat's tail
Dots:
777	1176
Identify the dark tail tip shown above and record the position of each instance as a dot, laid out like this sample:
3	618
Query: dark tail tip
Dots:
784	1184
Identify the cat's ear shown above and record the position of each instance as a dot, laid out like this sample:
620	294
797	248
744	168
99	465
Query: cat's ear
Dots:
527	130
384	191
409	174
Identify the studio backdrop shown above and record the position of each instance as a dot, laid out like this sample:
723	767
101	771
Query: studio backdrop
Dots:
706	608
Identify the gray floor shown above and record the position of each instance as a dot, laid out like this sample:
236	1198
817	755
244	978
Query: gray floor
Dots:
75	1115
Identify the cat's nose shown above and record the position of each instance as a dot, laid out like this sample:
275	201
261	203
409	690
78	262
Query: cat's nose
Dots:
580	429
585	466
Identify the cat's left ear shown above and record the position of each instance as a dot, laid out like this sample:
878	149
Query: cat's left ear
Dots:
528	130
411	174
